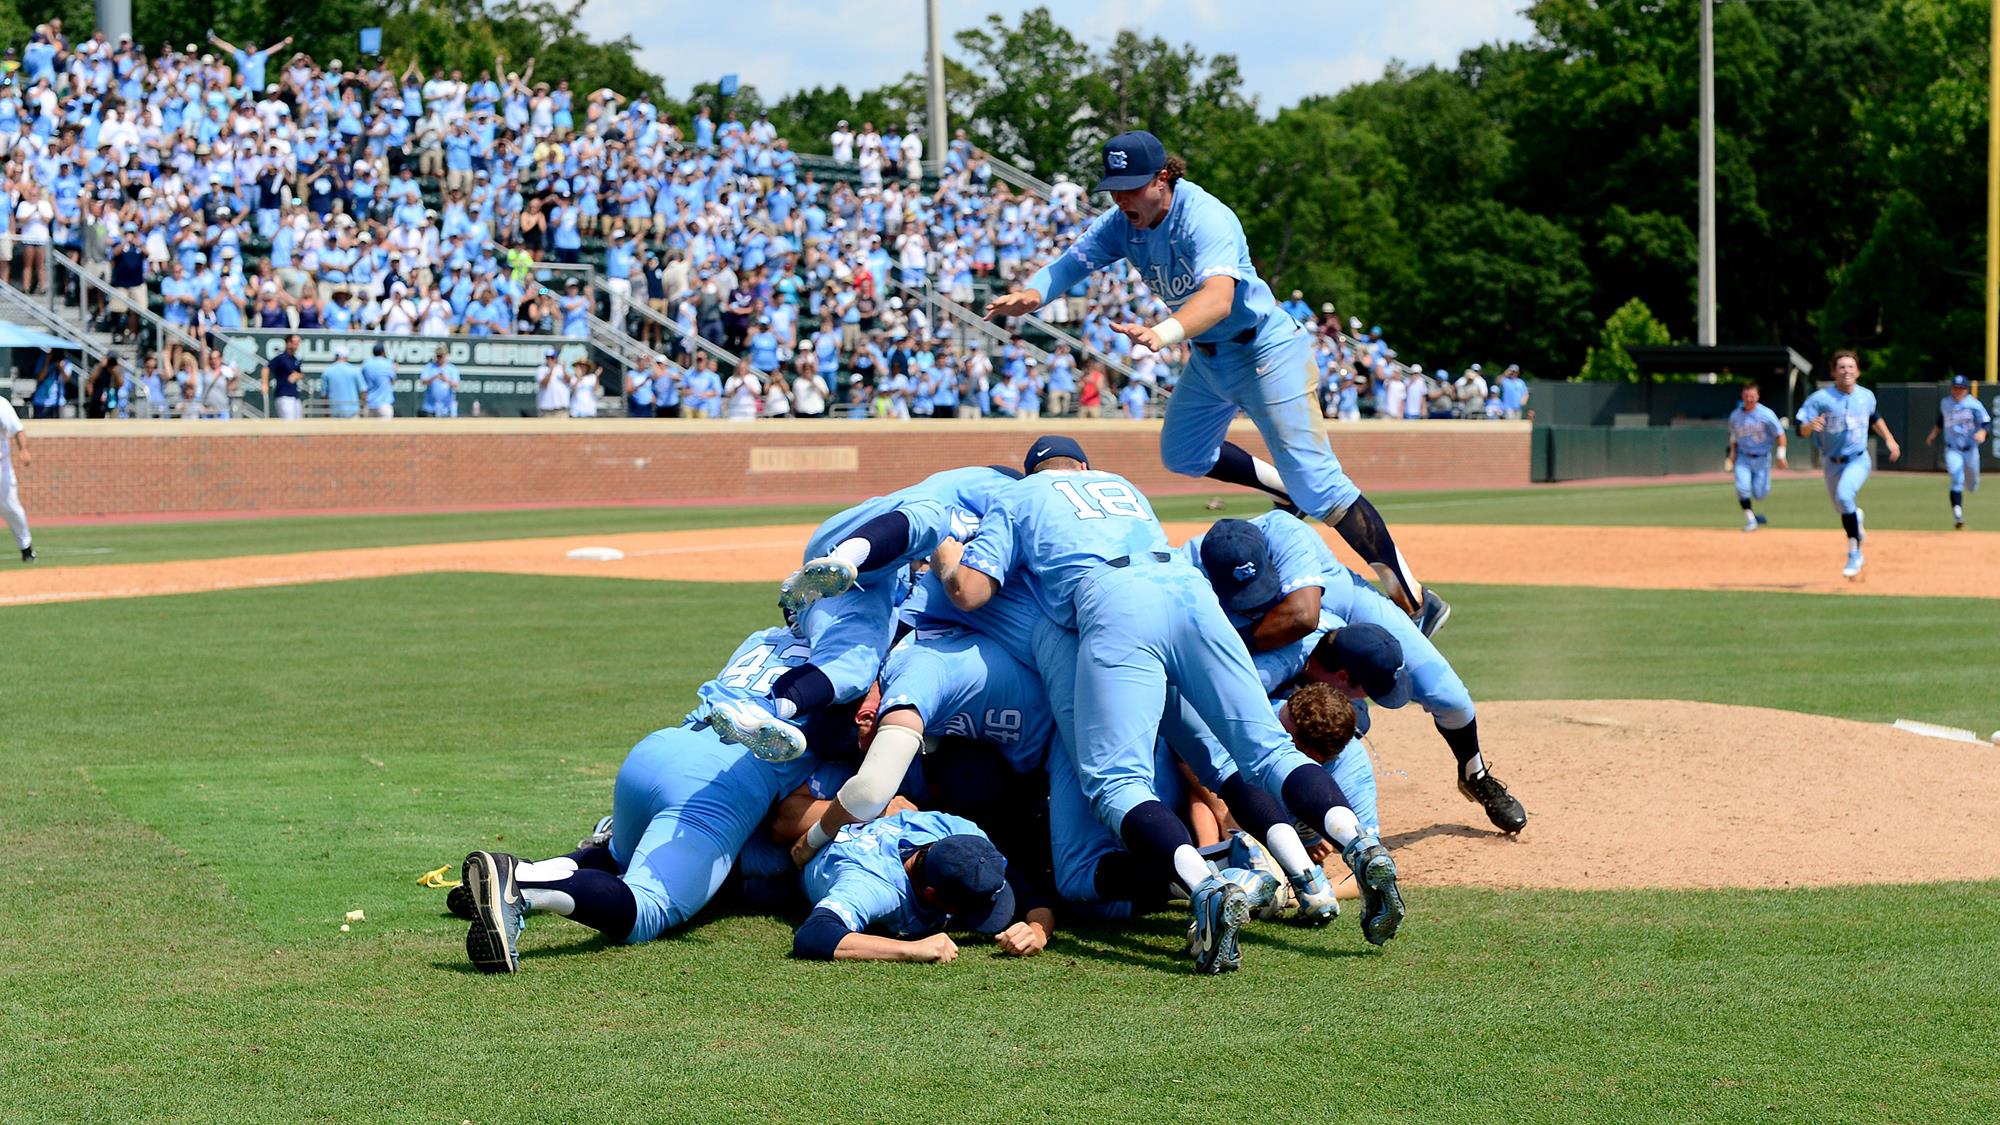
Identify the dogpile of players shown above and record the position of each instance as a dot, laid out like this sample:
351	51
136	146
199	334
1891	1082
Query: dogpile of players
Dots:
1001	699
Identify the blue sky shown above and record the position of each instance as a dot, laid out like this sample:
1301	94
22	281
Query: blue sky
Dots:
1286	50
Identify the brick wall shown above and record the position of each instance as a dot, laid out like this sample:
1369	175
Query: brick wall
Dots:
83	469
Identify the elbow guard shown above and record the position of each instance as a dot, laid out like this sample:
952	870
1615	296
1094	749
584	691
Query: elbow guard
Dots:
868	792
819	936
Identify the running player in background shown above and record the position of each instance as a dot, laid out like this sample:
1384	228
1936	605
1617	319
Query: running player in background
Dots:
1754	433
1839	418
1963	423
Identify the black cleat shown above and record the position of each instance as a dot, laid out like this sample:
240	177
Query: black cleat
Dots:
28	553
458	900
498	912
1289	508
1501	808
1431	616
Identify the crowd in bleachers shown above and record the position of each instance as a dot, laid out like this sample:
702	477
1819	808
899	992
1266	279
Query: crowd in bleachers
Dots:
231	185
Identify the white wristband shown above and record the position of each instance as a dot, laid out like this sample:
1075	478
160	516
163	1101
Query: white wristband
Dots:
1170	332
816	837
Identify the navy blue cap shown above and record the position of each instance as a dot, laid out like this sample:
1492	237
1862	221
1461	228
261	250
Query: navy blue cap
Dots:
1130	160
1373	660
1052	445
1238	561
1960	381
969	876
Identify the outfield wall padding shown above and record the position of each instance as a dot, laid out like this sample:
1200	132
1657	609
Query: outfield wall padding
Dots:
164	468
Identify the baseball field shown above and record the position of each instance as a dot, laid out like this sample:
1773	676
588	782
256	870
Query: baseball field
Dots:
1744	895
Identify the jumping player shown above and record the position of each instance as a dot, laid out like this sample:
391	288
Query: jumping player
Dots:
1091	548
1838	418
1248	353
1282	588
1964	424
1754	430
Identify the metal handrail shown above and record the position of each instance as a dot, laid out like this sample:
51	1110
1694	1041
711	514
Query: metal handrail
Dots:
1016	176
947	307
723	358
167	331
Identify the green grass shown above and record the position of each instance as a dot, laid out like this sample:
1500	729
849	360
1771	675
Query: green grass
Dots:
1895	501
200	786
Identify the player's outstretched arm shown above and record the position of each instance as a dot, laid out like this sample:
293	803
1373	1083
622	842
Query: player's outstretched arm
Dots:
968	589
824	937
1021	302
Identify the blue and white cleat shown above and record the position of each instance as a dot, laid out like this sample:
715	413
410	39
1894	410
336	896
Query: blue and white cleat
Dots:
600	836
1432	614
1220	909
1314	893
499	913
749	725
820	578
1853	568
1245	852
1260	888
1375	873
1762	519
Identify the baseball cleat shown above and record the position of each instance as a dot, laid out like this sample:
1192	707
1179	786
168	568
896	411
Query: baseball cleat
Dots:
1220	909
1432	614
1285	506
28	553
600	836
1314	893
1245	852
767	737
499	913
1750	523
1501	808
1957	518
458	900
1260	888
1761	519
1375	873
820	578
1853	568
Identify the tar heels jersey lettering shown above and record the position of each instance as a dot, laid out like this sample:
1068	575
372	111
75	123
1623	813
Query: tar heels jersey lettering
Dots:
1755	431
1962	421
1846	419
753	668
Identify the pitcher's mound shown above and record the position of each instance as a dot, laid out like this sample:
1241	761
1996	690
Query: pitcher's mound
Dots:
1671	794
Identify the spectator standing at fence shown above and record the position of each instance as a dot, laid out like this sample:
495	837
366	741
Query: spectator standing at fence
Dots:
1133	399
378	376
777	398
667	380
584	387
105	395
551	386
1090	397
34	217
702	396
1470	392
743	393
809	389
217	382
152	389
341	382
639	400
438	383
1513	392
128	280
50	393
1061	376
841	140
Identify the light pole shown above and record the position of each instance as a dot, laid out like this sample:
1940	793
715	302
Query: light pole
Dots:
937	111
114	18
1705	276
1992	370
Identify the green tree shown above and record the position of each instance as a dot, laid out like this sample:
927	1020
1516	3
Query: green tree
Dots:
1633	325
1038	95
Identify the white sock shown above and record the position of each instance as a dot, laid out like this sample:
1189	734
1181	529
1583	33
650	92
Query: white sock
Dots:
1190	867
853	552
546	871
1341	826
785	709
1473	767
1283	840
555	902
1268	475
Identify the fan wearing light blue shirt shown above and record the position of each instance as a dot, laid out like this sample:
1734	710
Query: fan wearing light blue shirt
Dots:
1838	419
1755	435
1247	353
1964	423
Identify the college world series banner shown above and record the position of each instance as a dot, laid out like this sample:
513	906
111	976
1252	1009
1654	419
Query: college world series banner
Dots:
495	372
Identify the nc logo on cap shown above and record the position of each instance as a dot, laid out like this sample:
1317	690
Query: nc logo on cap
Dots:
1114	160
1245	571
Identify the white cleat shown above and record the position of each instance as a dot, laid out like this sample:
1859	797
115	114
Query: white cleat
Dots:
1853	568
767	737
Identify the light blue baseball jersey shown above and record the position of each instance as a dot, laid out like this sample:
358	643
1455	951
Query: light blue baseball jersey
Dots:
1058	527
1009	618
942	504
1961	421
1301	557
1847	417
753	668
1756	430
1200	238
965	685
860	875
